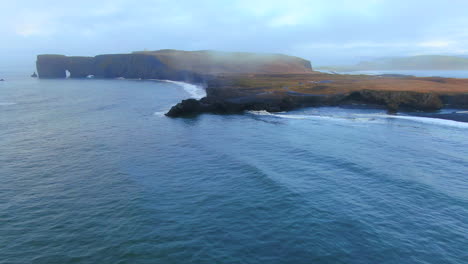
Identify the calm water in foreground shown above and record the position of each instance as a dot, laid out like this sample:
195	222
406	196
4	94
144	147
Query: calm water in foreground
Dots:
92	172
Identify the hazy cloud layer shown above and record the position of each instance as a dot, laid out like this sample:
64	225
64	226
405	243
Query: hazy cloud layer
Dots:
326	32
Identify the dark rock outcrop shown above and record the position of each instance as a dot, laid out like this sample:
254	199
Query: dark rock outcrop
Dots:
237	94
455	100
395	100
34	75
80	67
392	100
192	107
52	66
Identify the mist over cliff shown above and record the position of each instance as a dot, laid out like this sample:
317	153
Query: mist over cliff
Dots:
192	66
324	32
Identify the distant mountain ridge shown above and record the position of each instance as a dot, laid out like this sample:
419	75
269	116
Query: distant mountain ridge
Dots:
421	62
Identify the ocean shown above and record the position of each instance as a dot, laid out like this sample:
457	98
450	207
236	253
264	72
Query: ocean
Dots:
92	171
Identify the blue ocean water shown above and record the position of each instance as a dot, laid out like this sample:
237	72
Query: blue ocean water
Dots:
91	171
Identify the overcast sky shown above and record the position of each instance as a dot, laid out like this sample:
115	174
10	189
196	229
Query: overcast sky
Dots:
323	31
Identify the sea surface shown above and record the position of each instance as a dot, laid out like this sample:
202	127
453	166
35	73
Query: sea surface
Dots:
418	73
91	171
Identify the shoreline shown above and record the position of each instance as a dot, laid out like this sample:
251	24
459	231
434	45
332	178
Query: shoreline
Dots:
283	92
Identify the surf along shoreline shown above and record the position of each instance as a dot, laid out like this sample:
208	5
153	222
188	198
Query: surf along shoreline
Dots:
236	93
239	81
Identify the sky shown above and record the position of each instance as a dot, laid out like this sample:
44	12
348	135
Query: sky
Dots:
326	32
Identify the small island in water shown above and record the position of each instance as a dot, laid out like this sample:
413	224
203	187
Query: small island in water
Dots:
239	81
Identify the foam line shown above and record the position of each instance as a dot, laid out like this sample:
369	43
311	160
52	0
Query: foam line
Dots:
426	120
6	103
195	91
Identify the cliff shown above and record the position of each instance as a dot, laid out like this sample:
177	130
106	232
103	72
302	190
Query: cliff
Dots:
193	66
237	81
51	66
281	92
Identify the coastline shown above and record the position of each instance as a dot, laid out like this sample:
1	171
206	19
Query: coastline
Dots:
283	92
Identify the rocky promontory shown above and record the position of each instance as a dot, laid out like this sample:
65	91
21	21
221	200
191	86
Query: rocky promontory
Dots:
281	92
238	81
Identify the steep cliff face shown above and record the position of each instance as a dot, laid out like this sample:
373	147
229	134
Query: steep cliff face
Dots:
282	101
193	66
51	66
143	66
455	100
394	100
80	67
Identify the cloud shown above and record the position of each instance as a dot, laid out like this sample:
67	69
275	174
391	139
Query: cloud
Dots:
315	29
436	44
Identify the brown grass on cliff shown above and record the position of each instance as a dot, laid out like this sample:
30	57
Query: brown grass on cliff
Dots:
217	62
321	83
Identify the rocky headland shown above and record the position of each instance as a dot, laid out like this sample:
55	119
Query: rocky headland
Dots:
281	92
237	81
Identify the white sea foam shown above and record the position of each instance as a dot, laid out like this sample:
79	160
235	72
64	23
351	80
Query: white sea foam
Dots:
425	120
368	118
161	113
195	91
6	103
289	116
462	112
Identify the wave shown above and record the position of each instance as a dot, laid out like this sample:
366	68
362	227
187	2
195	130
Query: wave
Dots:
266	113
320	117
367	118
161	113
426	120
195	91
6	103
462	112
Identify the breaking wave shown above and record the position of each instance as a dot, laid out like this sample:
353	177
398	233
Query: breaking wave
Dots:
426	120
314	117
160	113
195	91
367	118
